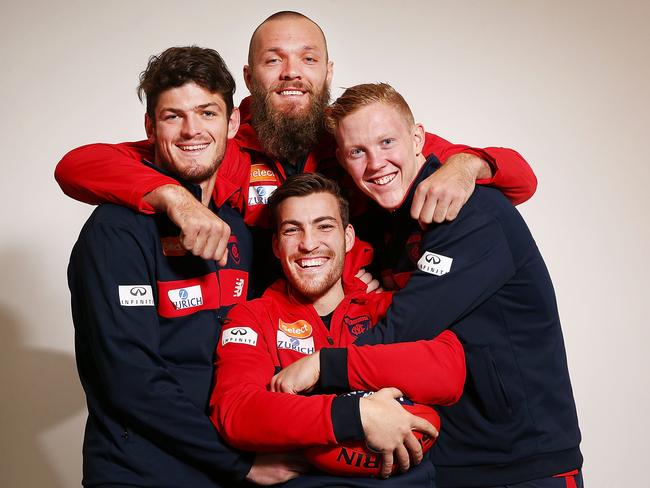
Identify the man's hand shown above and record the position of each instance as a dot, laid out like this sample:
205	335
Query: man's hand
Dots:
371	283
298	377
387	427
273	468
202	232
441	196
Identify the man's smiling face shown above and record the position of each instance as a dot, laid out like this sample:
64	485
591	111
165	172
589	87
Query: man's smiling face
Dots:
190	131
311	243
288	65
382	152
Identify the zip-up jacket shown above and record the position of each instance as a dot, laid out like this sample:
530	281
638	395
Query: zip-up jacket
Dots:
265	335
483	277
147	318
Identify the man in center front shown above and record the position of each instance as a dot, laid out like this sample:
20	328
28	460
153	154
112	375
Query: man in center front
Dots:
315	308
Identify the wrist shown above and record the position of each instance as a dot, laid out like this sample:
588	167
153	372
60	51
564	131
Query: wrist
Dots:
165	197
476	166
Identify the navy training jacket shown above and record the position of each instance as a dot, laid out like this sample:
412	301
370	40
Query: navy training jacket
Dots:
147	318
482	276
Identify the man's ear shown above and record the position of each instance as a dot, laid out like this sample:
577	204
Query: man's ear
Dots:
418	138
150	128
248	76
233	123
330	72
274	245
349	238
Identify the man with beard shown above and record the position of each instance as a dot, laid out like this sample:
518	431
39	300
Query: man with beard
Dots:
314	307
288	74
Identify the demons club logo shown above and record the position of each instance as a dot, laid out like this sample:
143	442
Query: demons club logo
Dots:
357	325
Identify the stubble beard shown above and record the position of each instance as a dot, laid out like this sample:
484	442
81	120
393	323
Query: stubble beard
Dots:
314	288
288	136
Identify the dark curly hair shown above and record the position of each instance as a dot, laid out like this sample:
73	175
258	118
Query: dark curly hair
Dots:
177	66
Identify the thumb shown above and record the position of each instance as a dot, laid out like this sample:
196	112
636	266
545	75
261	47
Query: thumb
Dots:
391	392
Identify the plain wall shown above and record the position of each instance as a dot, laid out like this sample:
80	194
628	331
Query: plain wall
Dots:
564	83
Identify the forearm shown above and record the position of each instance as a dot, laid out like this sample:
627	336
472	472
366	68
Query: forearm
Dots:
253	419
430	372
501	167
100	173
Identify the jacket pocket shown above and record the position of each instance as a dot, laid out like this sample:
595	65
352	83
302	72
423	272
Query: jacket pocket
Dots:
487	383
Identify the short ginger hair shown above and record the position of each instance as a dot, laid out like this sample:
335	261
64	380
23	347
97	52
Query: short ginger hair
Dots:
359	96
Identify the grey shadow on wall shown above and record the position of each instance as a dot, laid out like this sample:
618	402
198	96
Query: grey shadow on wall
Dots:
40	389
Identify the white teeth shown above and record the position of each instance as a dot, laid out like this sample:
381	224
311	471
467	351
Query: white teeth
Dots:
194	147
291	92
310	263
384	180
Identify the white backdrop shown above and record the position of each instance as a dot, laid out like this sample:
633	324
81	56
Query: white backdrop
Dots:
565	83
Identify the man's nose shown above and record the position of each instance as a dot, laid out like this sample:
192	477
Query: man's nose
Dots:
374	160
190	127
290	69
308	242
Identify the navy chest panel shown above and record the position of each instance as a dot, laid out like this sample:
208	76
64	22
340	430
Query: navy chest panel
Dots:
403	251
187	284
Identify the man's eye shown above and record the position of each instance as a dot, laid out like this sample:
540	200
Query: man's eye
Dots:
325	227
210	114
170	117
356	152
388	141
272	61
289	231
310	60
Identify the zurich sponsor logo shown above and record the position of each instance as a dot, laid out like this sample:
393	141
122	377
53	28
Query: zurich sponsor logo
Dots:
435	264
135	295
259	195
239	335
186	297
302	346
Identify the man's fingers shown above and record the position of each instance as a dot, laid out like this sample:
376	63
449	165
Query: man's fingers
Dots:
224	259
419	200
274	383
414	449
441	209
199	244
402	458
454	208
423	426
386	465
221	252
210	248
187	240
425	216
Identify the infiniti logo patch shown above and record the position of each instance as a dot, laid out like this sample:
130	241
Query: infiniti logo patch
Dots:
435	264
239	335
135	295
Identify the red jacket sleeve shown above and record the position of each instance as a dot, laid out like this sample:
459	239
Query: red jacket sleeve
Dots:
430	372
512	174
99	173
247	415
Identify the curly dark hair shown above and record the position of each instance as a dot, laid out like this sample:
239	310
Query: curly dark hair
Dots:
177	66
